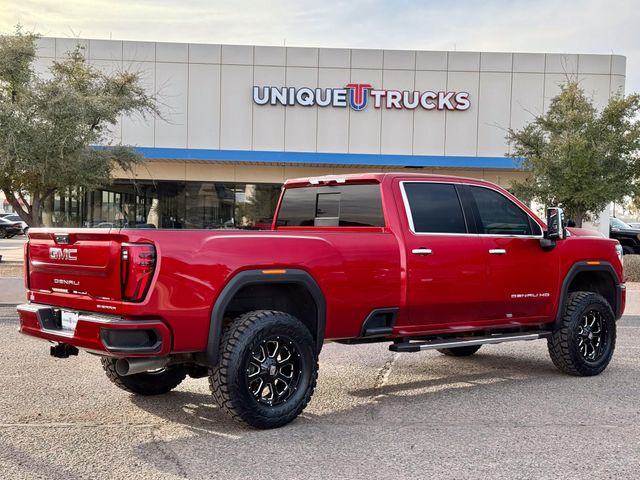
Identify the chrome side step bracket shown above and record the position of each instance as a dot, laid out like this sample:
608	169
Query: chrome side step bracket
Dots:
417	346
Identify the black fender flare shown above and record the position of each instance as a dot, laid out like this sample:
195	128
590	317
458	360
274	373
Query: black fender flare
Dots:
581	267
257	277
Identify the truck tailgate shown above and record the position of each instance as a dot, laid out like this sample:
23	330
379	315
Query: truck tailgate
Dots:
84	262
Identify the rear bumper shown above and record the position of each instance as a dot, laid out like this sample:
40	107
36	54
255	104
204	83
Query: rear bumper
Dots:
103	334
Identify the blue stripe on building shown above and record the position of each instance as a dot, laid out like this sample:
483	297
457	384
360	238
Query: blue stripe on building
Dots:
328	158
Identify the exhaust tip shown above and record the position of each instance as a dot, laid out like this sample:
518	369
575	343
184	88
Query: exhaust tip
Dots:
133	366
122	367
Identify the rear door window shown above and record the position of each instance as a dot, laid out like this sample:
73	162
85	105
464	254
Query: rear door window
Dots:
357	205
434	208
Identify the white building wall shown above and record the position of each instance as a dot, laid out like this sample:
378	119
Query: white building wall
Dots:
205	95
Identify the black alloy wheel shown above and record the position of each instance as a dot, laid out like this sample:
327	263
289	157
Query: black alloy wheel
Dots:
591	334
273	371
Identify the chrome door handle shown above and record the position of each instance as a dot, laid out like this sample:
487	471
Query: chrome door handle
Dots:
421	251
497	251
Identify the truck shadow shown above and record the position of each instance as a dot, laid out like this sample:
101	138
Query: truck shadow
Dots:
495	369
199	413
195	434
196	411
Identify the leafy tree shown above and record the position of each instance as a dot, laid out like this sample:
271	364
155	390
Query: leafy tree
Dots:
259	206
577	157
48	126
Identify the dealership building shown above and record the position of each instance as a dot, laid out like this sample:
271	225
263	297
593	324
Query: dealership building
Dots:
237	120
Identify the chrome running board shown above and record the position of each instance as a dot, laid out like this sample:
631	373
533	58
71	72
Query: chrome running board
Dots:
418	346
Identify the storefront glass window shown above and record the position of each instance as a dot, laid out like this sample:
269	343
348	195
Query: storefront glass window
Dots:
255	205
165	204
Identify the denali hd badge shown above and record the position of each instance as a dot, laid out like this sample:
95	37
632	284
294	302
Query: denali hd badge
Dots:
357	95
64	281
69	254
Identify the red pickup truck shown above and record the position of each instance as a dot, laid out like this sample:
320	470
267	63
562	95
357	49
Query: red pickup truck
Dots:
420	261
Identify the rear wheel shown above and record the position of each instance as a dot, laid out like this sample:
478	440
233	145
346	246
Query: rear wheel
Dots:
154	382
584	342
460	351
267	369
626	250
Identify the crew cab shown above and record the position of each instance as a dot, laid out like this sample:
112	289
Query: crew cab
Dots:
418	261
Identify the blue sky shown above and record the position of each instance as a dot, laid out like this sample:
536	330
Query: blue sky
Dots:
588	26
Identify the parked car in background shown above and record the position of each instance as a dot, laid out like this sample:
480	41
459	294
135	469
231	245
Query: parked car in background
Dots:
9	229
628	236
14	217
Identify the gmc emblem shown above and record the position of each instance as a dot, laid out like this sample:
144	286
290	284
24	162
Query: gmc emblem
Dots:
69	254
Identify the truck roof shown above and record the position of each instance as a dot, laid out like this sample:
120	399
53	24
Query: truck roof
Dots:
378	177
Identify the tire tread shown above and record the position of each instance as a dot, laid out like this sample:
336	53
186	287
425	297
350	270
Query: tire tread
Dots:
558	342
221	384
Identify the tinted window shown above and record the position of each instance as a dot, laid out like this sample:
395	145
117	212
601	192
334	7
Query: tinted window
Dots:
344	206
435	208
500	216
328	205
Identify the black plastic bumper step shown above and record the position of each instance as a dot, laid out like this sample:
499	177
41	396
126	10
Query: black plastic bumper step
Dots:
418	346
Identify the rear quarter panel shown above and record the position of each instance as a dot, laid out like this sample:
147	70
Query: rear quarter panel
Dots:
357	272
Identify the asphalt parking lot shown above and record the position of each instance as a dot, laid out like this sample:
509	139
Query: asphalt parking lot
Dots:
504	413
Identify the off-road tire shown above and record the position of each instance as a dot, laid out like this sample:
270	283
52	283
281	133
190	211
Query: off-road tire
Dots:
229	380
563	343
465	351
147	383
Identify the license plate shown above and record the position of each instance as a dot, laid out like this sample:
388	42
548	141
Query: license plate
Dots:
69	320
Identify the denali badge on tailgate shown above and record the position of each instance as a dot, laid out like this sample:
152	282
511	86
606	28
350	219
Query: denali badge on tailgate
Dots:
57	253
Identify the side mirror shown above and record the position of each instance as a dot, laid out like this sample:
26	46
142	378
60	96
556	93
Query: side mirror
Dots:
555	224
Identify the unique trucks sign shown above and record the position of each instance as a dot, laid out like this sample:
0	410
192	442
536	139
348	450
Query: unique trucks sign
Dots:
357	95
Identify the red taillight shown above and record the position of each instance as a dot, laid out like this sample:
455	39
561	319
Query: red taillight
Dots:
138	263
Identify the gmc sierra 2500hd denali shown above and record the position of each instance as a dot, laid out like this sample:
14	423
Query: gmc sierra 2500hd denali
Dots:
420	261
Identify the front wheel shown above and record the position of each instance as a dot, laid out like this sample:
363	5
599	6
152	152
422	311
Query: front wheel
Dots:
155	382
584	342
3	233
267	369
